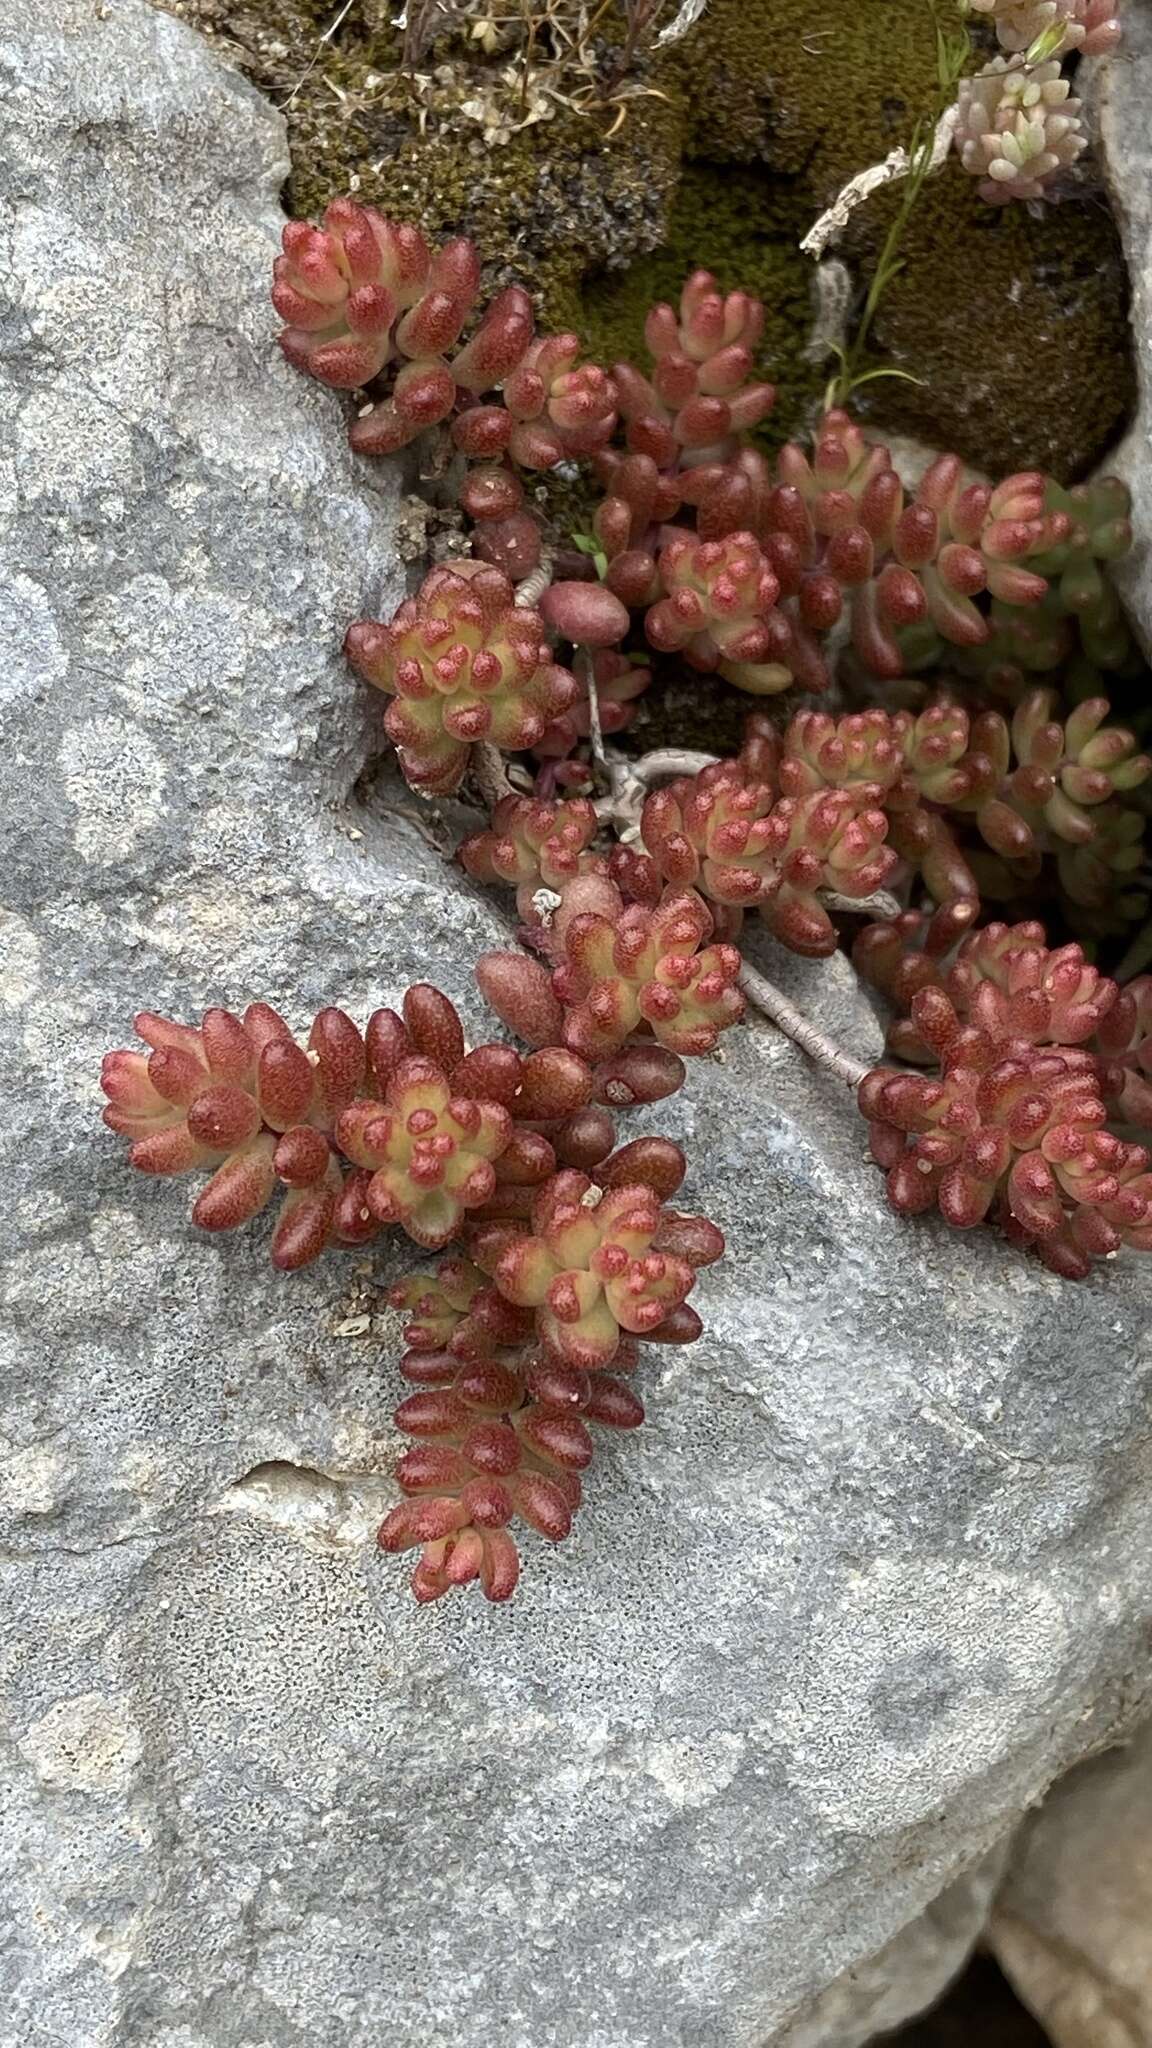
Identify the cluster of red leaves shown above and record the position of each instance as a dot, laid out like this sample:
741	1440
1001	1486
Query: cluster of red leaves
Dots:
568	1253
744	845
754	565
632	968
572	1252
395	1125
462	663
738	564
1033	1052
837	805
517	1350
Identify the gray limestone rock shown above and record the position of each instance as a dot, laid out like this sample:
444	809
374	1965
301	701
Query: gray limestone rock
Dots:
1121	86
877	1569
1071	1926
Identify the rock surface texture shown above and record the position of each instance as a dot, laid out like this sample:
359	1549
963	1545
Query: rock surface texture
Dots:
876	1571
1071	1928
1120	86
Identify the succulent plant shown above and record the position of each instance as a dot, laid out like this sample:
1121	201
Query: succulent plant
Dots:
501	1436
865	748
505	534
564	1250
456	1315
1108	874
1017	1135
627	969
534	844
602	1263
1066	768
1003	978
618	683
639	500
1013	1125
842	538
362	294
1124	1041
1099	532
746	848
915	563
432	388
466	1486
717	609
1088	26
1024	641
1094	27
1018	125
1009	983
558	406
1029	786
359	290
833	841
511	1370
462	663
240	1095
895	768
398	1125
428	1150
699	394
713	832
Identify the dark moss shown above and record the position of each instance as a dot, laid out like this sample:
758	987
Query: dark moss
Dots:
1020	324
554	199
816	92
1015	322
1015	319
686	710
745	227
545	207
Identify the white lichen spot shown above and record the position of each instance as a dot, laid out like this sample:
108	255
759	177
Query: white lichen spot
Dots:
64	1041
145	1474
256	933
30	1478
40	1213
35	657
693	1773
19	960
69	444
115	1948
87	1744
87	921
115	777
116	1235
177	651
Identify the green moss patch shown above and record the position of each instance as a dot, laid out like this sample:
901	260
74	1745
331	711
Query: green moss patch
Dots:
1016	321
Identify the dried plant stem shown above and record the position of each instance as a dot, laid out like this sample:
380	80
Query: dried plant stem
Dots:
488	773
688	15
665	762
896	165
583	667
881	903
630	782
327	36
764	996
531	590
